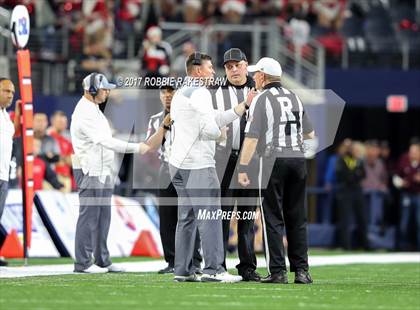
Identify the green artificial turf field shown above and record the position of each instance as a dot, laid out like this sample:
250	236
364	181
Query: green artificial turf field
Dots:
388	286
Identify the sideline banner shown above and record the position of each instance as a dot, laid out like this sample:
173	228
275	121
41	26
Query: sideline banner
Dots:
60	211
42	244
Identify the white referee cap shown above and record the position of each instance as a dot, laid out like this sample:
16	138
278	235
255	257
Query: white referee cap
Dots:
268	66
100	82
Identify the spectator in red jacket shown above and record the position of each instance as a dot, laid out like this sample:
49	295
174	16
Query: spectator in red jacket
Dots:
59	132
155	54
42	170
50	150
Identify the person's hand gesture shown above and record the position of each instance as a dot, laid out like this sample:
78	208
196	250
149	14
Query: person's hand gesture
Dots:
223	134
251	95
167	121
243	179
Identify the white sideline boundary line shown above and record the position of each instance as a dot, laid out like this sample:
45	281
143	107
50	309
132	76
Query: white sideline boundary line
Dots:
154	266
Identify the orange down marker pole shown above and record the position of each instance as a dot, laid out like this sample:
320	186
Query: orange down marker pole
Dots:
25	83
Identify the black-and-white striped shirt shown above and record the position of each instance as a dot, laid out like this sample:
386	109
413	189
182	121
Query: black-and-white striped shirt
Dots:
278	119
154	124
226	97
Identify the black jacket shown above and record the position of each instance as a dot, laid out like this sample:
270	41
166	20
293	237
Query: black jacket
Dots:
349	172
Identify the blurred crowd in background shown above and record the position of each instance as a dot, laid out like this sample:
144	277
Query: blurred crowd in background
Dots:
368	187
97	30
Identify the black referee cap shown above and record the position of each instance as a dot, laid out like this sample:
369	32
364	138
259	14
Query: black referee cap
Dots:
233	54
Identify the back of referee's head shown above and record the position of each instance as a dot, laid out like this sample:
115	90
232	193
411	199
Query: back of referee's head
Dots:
267	70
270	67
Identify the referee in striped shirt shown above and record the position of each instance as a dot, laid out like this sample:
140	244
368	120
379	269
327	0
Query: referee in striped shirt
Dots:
276	131
227	96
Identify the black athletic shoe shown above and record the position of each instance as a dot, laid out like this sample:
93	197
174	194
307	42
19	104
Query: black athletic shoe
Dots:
302	277
251	275
166	270
280	278
3	263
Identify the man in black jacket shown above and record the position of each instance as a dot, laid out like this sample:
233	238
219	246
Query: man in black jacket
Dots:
350	200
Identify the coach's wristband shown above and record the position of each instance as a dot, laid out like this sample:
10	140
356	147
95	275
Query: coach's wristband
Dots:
243	168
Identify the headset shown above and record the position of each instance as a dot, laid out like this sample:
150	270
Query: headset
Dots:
197	59
93	89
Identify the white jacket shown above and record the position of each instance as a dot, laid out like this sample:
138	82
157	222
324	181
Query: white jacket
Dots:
7	130
92	140
196	128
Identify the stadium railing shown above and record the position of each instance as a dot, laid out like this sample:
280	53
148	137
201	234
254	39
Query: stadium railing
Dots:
305	67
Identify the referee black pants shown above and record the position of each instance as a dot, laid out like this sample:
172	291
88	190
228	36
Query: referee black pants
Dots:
284	210
168	215
246	236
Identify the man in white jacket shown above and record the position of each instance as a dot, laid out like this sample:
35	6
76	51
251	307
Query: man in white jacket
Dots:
196	127
7	132
93	158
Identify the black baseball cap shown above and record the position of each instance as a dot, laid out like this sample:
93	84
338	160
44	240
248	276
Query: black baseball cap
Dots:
234	54
167	87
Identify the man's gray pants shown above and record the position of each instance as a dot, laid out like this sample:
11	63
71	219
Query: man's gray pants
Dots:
3	195
93	222
198	191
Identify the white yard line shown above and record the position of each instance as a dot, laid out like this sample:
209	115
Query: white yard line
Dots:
153	266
